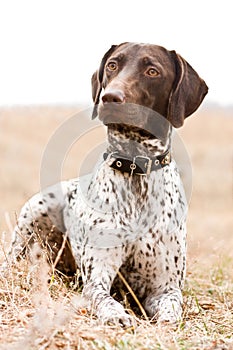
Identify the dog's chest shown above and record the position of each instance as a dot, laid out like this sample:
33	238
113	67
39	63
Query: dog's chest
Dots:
112	209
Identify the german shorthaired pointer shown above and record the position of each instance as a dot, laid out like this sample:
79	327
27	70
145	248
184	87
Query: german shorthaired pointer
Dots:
129	216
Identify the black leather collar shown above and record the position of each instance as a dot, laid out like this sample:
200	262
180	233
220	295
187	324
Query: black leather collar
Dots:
139	165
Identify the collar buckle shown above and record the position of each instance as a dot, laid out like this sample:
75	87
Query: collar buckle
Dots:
147	165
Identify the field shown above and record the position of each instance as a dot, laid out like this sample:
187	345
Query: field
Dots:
39	310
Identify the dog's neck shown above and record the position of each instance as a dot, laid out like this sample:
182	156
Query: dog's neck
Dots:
133	142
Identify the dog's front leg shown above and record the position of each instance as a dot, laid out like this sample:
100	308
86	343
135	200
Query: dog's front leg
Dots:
99	268
164	301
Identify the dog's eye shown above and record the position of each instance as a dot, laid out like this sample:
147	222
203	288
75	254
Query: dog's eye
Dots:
152	72
112	66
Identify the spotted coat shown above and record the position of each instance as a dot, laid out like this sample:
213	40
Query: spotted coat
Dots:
114	221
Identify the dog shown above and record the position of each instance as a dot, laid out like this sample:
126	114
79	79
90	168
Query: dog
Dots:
129	217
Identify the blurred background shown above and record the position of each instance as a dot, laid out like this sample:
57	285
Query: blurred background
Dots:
49	50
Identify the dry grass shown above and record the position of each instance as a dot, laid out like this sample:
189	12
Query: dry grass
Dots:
42	311
39	310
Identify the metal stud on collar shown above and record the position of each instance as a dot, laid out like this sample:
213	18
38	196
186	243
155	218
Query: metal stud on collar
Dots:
166	159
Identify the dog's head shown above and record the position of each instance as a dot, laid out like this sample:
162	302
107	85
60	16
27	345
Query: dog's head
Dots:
150	76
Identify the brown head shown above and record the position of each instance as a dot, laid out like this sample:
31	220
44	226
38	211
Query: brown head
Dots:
149	76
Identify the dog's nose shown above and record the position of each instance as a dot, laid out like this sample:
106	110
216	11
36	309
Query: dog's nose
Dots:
113	96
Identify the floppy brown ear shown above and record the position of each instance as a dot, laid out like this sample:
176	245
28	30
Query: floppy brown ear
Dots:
187	94
97	80
96	91
94	85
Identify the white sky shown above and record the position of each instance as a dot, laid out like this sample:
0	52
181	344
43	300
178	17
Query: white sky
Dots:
50	48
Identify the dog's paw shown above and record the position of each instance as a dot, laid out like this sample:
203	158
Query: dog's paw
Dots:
170	314
166	308
116	317
125	321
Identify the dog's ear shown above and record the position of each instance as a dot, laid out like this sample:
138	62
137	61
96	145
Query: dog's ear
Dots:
187	93
97	80
96	90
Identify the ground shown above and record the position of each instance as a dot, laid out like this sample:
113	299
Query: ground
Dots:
40	310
